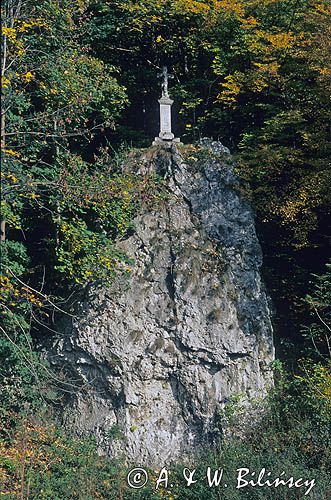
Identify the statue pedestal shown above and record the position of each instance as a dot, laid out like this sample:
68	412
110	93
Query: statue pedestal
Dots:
165	135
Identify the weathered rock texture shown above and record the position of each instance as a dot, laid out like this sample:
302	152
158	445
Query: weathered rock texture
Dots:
162	351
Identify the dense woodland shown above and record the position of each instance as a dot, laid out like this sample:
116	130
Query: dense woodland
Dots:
79	92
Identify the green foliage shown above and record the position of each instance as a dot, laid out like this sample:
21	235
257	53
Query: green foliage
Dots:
22	373
320	306
14	256
86	256
42	462
52	97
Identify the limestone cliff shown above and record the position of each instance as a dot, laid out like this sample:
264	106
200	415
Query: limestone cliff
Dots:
163	350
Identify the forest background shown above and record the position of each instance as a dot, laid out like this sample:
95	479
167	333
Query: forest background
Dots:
79	91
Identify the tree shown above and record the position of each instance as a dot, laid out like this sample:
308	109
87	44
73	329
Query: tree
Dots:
53	92
319	331
55	97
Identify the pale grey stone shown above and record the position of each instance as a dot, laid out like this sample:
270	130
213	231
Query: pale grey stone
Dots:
161	353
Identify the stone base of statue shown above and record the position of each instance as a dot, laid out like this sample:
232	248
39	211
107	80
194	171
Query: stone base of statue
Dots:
163	141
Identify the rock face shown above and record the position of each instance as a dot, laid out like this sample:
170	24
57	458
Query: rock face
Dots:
161	352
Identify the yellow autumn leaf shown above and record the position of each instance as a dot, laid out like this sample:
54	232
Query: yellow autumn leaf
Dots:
28	76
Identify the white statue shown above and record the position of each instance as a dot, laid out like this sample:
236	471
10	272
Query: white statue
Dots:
165	135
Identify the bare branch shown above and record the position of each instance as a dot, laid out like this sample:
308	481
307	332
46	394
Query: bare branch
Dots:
45	297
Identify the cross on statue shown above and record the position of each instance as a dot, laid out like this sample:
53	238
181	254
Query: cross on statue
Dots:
165	82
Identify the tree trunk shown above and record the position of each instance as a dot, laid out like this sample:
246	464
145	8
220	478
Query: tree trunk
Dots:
3	142
3	230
